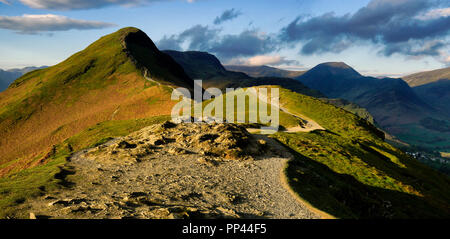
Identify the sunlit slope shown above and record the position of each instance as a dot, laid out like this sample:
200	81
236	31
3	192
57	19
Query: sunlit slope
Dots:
120	76
348	170
31	182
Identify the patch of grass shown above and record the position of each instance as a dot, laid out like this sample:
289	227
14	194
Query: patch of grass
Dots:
32	182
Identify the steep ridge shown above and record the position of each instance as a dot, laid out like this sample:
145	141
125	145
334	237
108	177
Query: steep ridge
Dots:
106	81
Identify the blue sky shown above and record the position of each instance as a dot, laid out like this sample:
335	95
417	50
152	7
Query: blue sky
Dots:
376	37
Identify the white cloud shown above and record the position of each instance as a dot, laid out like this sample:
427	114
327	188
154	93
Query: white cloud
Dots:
84	4
435	13
260	60
5	2
31	24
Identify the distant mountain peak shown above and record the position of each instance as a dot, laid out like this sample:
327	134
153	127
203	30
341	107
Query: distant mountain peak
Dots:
337	64
334	69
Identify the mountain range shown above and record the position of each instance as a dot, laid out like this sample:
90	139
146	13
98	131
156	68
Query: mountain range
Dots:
204	66
409	108
433	87
264	71
8	76
112	102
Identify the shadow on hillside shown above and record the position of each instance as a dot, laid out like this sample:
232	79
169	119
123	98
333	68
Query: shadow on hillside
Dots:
344	197
408	175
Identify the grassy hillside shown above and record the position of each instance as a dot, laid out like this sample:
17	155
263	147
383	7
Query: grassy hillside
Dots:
349	171
351	107
103	82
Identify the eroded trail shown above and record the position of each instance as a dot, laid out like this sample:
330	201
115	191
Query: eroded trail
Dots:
176	172
309	124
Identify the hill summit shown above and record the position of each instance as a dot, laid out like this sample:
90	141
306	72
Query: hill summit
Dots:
332	69
121	76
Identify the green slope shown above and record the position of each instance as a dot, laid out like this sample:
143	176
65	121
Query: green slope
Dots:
349	171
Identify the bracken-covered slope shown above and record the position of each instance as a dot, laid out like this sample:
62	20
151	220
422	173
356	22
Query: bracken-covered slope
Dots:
121	76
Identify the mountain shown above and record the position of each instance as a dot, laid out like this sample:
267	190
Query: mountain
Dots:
205	66
99	120
427	77
433	87
119	77
8	76
395	106
202	65
436	94
387	99
264	71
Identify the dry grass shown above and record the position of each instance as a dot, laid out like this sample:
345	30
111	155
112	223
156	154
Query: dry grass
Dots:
28	142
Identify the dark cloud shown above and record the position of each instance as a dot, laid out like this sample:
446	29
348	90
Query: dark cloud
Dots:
247	43
200	37
430	48
32	24
205	38
391	23
227	15
170	43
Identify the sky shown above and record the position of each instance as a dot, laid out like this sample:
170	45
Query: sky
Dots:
376	37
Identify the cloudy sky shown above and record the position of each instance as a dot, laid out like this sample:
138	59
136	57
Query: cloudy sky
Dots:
376	37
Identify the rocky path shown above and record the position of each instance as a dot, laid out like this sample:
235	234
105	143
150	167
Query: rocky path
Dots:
154	174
